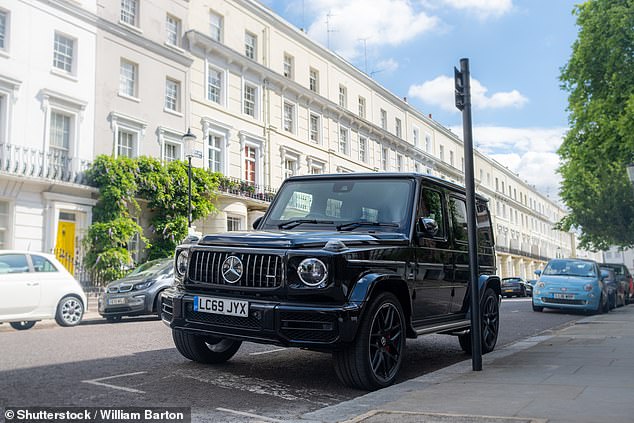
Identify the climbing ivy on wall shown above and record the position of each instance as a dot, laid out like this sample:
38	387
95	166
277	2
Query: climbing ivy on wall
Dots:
122	183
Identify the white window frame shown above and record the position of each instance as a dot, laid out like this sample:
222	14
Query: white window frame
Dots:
313	80
221	86
398	127
291	157
63	60
173	27
416	136
315	165
385	158
124	79
383	116
69	131
132	143
343	144
316	139
216	26
250	45
343	96
428	144
289	121
177	149
6	217
235	219
288	66
119	121
129	13
5	33
362	107
172	95
256	142
441	153
363	152
170	137
253	102
221	131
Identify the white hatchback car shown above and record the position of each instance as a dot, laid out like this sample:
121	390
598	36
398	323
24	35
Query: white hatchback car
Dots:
35	286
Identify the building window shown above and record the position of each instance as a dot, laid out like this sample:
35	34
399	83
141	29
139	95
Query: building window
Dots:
234	223
316	170
362	107
250	45
250	161
363	149
343	140
126	143
172	152
4	225
289	117
63	49
60	135
399	162
384	158
172	30
428	143
4	34
214	85
172	95
288	66
398	125
441	153
127	78
451	158
215	153
249	100
290	167
129	12
314	128
215	26
415	136
383	119
313	80
343	96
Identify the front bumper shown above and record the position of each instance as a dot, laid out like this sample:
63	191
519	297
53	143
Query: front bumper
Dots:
579	301
269	322
131	303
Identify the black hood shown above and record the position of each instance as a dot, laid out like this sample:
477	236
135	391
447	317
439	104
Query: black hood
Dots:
305	239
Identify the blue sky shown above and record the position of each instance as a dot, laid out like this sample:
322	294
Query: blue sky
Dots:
516	49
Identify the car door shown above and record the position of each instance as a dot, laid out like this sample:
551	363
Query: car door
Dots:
53	283
19	288
433	273
458	223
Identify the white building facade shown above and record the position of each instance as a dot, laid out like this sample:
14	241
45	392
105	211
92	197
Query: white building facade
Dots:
264	101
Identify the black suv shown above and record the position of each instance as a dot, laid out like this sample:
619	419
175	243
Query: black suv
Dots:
350	264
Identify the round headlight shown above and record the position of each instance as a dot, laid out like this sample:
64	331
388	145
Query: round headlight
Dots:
588	287
312	271
182	260
541	284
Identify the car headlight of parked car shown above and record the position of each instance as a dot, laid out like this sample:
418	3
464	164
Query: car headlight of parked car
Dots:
312	272
182	260
143	285
588	287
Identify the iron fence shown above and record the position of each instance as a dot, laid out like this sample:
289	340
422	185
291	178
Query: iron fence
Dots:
231	185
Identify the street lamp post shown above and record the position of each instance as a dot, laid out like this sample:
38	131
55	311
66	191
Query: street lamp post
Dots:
188	141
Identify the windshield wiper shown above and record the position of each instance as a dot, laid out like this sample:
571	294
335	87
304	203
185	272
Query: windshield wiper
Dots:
296	222
351	225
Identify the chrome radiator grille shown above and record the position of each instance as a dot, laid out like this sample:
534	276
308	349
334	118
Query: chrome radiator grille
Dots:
258	270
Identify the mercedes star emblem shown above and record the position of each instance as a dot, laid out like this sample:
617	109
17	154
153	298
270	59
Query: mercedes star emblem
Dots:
232	269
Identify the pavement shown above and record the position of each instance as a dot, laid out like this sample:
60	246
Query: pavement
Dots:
580	373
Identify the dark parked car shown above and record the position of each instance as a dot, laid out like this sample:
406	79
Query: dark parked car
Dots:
625	285
349	264
138	292
611	285
515	287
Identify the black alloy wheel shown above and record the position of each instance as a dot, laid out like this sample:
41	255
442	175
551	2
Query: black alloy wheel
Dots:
490	324
375	357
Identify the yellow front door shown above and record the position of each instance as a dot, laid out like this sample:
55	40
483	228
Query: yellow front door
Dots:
65	244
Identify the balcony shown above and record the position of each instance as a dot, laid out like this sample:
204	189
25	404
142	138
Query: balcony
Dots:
241	188
521	253
32	163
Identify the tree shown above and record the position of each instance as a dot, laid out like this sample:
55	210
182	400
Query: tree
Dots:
599	77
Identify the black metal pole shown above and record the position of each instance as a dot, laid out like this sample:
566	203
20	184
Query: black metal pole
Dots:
476	328
189	193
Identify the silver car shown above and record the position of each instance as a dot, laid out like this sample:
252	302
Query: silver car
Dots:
137	293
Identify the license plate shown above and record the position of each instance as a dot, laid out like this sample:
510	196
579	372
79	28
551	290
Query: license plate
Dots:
508	290
564	296
224	306
116	301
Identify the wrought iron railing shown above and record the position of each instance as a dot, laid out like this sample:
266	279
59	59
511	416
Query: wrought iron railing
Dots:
231	185
26	161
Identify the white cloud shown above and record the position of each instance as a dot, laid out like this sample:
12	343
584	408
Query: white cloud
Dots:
482	8
529	152
383	23
388	65
440	92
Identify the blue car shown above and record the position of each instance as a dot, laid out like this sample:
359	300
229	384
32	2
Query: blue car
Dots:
571	284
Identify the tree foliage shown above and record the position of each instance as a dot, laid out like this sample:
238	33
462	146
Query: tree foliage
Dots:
599	77
122	183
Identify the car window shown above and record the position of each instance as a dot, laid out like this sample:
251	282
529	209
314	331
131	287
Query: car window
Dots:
431	207
13	263
570	268
152	267
41	264
458	213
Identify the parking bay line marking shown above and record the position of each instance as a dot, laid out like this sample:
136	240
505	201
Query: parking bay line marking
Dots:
99	382
267	352
243	413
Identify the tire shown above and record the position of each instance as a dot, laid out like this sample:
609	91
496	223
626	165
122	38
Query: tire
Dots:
205	349
70	311
157	304
374	358
113	319
490	322
538	308
523	293
605	307
24	325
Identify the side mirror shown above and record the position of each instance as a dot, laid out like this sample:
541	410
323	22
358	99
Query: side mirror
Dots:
538	272
428	226
256	222
604	274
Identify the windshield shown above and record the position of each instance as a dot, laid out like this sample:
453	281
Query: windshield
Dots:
511	280
343	204
152	267
570	268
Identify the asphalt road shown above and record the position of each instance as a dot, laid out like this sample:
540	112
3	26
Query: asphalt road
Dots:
134	363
